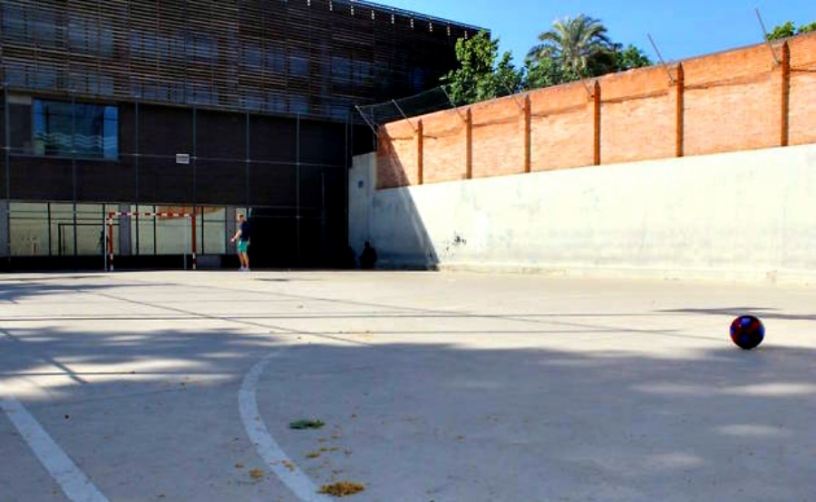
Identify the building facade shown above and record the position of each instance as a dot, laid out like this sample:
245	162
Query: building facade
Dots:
202	107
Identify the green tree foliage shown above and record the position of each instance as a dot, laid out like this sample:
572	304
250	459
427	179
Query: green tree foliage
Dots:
789	29
545	73
630	57
580	46
573	49
480	76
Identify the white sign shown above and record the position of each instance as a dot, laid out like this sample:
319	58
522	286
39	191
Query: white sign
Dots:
182	158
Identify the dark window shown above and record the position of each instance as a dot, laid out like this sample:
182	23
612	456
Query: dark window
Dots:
298	64
276	60
298	104
340	69
81	129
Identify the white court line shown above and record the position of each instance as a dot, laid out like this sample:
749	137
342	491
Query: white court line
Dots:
283	467
74	483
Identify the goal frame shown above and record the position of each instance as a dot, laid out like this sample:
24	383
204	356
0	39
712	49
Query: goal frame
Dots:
149	214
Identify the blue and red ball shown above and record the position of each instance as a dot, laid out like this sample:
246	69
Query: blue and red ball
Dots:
747	332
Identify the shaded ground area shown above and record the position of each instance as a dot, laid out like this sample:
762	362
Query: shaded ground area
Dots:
432	387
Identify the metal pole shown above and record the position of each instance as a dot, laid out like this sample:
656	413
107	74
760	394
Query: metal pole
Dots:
323	213
346	196
136	166
297	188
50	245
456	108
247	160
184	248
765	32
7	155
195	152
369	123
74	173
659	56
102	237
404	116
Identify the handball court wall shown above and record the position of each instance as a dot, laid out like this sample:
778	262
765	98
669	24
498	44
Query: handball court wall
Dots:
711	175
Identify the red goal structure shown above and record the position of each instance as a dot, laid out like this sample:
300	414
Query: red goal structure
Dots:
113	215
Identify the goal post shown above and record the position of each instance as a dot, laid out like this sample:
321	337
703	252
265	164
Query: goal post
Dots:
113	215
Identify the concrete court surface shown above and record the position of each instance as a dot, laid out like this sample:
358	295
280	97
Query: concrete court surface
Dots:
180	386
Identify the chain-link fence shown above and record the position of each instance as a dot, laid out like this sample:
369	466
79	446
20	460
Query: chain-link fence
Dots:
430	101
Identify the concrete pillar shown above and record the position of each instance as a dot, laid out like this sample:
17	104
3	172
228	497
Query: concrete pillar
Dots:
232	226
125	242
4	228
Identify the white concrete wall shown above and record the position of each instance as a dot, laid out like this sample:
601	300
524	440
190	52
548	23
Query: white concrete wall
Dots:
742	216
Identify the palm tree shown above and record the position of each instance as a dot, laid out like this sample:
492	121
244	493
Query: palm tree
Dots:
580	46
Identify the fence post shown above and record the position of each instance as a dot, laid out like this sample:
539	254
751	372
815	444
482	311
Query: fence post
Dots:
786	81
528	133
596	99
469	144
680	111
420	164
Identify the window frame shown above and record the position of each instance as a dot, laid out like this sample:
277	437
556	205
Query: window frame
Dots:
104	108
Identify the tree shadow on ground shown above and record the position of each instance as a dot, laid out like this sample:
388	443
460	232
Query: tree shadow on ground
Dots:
415	421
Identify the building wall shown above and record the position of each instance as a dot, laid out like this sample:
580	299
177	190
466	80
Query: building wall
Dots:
737	100
733	216
315	57
290	171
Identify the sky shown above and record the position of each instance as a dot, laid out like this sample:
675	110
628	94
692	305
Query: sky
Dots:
681	29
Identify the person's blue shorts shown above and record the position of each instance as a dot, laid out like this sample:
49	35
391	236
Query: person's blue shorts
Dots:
243	246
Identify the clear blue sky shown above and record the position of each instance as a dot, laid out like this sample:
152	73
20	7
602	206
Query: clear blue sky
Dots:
681	29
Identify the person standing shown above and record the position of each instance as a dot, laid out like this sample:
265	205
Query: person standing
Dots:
368	258
242	235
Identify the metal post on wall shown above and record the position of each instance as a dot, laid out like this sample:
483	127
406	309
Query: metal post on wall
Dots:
297	188
193	162
136	166
323	212
7	155
247	161
347	165
74	175
195	151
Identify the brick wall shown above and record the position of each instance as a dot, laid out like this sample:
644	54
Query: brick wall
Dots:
743	99
445	147
562	133
803	90
638	111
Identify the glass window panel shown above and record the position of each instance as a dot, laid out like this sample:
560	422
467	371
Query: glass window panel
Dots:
252	55
340	69
298	104
276	103
142	229
62	234
16	23
106	42
299	64
173	236
45	28
16	74
82	34
90	229
214	230
28	228
81	129
275	60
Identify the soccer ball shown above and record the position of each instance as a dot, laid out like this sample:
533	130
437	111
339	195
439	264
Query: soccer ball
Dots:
747	332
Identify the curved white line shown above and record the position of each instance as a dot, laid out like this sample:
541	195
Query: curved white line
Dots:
283	467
